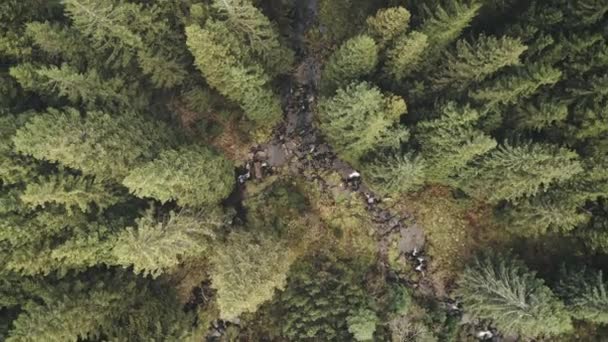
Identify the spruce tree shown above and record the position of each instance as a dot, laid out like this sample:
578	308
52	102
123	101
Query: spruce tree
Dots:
585	293
516	85
502	289
355	58
256	31
449	143
123	29
473	62
405	55
388	24
72	192
444	22
78	88
553	211
539	113
97	144
396	175
246	271
359	119
157	244
218	54
192	176
515	171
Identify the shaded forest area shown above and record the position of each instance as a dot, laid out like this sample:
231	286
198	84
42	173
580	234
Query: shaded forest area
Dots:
282	170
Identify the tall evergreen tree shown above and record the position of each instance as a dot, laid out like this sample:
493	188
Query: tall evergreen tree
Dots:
444	22
450	142
256	31
514	86
359	118
70	191
388	24
156	245
355	58
405	55
246	271
512	172
473	62
97	144
192	176
218	55
396	175
123	28
502	289
585	293
78	88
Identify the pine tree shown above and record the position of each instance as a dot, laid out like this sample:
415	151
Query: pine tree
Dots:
246	271
405	55
514	86
156	245
388	24
192	176
473	62
256	31
444	23
122	28
449	143
362	324
355	58
103	304
539	113
98	144
213	48
86	88
358	119
585	293
502	289
552	211
513	172
72	192
396	175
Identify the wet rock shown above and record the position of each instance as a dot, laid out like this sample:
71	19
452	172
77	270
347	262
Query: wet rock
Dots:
412	238
257	170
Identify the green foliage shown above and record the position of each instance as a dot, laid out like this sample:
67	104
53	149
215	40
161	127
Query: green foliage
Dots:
512	172
218	55
540	113
396	175
86	88
388	23
502	289
158	244
362	324
473	62
97	144
451	142
247	269
117	306
257	33
192	176
445	22
359	119
355	58
585	294
406	54
516	85
125	30
551	211
320	296
70	191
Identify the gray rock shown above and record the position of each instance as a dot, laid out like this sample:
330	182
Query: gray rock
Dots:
411	238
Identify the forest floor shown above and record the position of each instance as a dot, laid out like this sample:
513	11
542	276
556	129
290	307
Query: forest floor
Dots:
297	149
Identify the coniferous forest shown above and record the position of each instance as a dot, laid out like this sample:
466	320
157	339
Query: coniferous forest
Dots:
303	170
